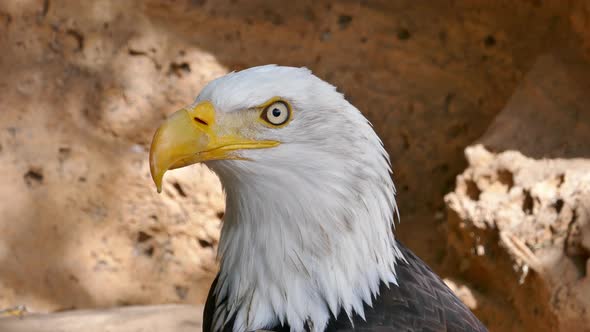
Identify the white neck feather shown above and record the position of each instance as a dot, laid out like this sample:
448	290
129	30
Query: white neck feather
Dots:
301	243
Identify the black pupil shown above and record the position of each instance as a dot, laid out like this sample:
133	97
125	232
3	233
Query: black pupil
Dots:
276	112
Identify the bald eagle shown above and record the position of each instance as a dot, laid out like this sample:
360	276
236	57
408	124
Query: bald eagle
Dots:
307	242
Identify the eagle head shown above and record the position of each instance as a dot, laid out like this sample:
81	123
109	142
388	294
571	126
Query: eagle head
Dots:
309	197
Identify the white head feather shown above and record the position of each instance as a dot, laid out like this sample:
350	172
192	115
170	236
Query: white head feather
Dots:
308	225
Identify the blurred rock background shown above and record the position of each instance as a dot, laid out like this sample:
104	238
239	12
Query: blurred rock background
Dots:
83	85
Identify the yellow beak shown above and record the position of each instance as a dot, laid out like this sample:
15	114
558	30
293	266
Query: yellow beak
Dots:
190	136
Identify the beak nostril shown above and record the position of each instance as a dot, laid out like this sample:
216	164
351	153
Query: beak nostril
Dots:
201	121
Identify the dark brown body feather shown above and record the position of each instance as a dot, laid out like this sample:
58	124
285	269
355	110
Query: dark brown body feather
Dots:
421	303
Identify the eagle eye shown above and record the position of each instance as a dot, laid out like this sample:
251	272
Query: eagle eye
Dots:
277	113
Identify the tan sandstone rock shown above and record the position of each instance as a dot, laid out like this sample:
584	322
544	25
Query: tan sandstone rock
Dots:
519	222
522	229
157	318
